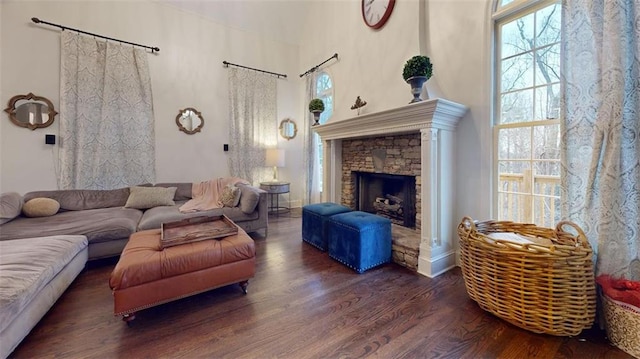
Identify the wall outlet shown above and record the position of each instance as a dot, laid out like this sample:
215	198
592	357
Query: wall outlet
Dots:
225	147
50	139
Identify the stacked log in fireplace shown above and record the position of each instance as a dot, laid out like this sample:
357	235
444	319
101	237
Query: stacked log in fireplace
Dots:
388	195
389	206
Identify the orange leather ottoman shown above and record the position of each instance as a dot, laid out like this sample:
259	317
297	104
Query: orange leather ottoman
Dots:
147	275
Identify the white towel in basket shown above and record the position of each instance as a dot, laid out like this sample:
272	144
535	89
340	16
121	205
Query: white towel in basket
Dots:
518	238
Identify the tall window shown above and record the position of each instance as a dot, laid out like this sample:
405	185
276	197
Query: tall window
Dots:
526	111
324	91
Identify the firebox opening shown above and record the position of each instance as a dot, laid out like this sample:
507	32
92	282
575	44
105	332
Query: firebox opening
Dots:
388	195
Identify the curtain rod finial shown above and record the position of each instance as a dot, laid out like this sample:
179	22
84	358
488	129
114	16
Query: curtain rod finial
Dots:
35	19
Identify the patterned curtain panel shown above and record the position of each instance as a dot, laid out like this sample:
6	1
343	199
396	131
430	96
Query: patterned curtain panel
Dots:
253	127
601	129
106	115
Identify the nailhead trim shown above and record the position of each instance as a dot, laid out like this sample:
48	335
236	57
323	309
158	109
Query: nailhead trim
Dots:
374	226
313	244
359	270
146	306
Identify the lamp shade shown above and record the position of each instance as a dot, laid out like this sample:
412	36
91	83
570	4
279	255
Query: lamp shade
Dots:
274	157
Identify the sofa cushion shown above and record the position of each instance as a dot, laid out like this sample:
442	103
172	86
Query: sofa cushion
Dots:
40	207
249	198
183	191
149	197
98	225
10	206
27	266
79	199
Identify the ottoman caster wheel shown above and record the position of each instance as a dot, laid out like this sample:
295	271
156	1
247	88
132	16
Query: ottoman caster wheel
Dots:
128	318
244	286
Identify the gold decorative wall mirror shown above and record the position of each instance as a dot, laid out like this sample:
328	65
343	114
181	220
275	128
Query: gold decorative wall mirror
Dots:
288	129
189	121
31	111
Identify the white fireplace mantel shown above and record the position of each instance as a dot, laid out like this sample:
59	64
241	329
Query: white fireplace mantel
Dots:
436	120
437	113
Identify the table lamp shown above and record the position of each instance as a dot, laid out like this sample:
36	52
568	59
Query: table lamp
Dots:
275	158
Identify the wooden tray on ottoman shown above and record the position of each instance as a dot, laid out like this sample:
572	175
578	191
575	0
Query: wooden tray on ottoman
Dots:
196	229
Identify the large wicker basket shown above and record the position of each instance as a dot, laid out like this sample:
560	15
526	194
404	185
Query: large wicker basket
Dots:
542	288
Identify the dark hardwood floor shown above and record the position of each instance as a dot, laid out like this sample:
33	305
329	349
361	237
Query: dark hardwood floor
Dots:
301	304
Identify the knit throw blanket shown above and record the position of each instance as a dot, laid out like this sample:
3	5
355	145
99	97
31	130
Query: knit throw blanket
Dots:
207	195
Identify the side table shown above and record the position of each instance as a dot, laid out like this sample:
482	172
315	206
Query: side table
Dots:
275	189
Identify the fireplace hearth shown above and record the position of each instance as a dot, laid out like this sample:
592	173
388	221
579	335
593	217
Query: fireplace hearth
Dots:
387	195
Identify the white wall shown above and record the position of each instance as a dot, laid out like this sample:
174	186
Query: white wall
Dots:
370	62
462	48
455	34
187	72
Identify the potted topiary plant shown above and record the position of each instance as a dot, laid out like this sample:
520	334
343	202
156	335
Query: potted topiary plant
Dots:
316	106
416	72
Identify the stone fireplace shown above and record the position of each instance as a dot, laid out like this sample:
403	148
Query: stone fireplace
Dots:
391	196
383	165
416	140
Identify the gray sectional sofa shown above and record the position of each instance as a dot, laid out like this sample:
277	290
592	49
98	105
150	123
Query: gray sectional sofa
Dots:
33	275
40	257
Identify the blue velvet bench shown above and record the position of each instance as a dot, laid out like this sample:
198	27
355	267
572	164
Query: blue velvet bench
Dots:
314	222
360	240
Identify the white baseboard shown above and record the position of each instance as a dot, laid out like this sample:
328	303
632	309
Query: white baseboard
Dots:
432	267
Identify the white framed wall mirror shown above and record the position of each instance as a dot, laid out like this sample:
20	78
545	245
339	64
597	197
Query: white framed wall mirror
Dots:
31	111
288	128
189	121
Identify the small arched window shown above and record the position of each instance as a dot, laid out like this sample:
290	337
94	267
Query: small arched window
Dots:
324	91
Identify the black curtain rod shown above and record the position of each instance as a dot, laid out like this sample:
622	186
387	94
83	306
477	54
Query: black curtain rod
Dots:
313	69
38	21
227	64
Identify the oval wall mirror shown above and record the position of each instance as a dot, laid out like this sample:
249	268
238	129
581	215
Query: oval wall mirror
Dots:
31	111
189	121
288	129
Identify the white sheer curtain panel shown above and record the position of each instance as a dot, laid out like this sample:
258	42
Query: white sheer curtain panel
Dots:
253	127
601	129
106	115
311	149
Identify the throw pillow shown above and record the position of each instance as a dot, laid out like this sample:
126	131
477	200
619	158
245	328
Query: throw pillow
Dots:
249	199
40	207
230	196
149	197
10	206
